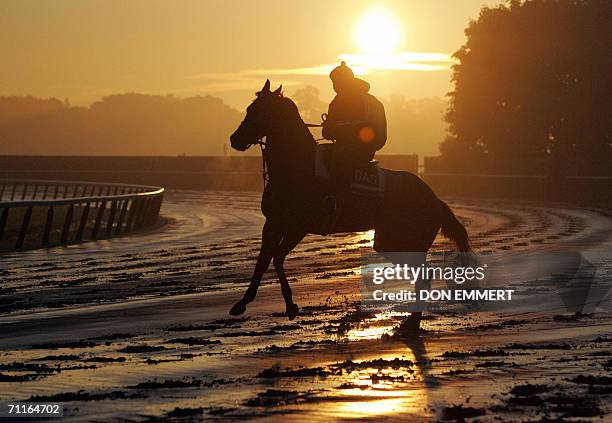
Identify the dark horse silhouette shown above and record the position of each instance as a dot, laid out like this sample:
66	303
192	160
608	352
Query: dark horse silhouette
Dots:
406	220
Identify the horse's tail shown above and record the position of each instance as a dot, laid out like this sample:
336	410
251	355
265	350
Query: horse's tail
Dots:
454	230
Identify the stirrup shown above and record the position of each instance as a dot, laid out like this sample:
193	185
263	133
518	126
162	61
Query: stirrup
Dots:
331	199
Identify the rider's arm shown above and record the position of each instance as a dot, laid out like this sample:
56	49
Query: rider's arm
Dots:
379	124
334	128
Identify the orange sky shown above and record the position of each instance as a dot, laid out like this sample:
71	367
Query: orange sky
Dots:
84	49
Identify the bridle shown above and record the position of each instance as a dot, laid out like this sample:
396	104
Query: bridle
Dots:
264	164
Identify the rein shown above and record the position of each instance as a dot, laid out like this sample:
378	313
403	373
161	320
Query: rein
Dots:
319	125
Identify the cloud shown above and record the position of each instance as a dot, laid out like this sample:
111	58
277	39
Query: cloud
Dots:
405	61
362	64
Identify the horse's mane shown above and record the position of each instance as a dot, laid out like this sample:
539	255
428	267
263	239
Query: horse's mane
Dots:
291	106
294	112
288	112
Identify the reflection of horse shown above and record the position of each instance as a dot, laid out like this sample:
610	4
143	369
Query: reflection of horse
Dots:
408	218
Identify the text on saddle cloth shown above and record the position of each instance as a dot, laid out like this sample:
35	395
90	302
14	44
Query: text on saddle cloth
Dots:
369	179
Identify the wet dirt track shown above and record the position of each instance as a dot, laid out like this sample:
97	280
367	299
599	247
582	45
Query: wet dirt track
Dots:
137	328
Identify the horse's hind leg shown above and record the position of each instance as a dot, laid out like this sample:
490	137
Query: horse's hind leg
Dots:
289	242
411	324
270	239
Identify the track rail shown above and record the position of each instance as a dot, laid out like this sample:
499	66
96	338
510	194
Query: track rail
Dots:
30	210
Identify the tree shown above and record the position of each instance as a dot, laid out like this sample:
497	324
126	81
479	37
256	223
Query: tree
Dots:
122	124
532	86
310	105
414	126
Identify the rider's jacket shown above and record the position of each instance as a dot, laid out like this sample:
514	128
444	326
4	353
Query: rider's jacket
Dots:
356	118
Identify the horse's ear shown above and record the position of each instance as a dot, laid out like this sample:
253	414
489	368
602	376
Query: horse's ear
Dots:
266	87
278	90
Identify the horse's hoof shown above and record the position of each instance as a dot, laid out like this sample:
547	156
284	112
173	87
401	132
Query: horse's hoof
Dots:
292	311
238	309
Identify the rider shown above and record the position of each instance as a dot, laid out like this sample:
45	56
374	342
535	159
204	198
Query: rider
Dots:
355	120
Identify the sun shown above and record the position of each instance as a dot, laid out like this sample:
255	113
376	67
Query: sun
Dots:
378	32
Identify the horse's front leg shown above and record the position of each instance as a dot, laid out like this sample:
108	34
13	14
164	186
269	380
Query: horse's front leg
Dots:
289	242
270	238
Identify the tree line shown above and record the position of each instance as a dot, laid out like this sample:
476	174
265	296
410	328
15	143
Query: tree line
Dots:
122	124
140	124
532	90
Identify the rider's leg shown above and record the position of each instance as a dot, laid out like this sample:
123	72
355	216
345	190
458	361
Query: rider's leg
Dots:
346	159
270	239
289	242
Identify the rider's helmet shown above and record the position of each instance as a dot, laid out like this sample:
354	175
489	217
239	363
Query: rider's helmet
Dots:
341	72
342	77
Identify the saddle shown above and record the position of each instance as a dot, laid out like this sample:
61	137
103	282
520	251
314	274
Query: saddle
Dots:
367	180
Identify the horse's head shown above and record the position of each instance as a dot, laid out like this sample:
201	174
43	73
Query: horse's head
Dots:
256	123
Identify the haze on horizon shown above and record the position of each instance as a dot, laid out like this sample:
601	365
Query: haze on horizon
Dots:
84	50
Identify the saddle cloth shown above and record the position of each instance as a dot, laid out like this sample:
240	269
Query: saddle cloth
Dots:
366	180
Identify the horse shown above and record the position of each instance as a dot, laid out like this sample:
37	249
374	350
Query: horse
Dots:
408	220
